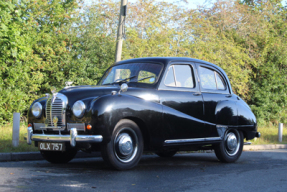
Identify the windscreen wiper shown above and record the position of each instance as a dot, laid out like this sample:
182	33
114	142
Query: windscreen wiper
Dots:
123	80
145	78
120	80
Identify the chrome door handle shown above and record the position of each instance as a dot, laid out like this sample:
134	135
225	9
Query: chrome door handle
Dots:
196	94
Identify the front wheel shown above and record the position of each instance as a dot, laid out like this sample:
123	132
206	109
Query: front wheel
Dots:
126	146
230	149
59	157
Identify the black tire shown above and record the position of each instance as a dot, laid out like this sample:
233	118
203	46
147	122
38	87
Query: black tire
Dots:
166	154
230	153
125	149
59	157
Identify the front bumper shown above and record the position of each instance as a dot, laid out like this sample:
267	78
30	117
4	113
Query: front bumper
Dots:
73	138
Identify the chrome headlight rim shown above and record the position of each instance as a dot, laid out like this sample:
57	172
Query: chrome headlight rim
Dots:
81	107
37	109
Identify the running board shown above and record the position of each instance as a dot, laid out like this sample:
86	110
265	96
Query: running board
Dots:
247	143
192	140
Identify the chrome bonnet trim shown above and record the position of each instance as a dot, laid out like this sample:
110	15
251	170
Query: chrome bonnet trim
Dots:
192	140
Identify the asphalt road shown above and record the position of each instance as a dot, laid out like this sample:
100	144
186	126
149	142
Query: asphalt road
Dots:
254	171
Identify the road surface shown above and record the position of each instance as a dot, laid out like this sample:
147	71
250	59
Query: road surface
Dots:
254	171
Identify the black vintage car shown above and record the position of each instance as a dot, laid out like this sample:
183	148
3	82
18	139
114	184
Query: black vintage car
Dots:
163	105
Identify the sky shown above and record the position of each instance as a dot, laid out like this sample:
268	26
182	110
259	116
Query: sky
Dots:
191	3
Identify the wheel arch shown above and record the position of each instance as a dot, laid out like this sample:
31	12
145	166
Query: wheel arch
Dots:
143	128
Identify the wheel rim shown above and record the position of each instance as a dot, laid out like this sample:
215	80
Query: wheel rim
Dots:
232	143
126	145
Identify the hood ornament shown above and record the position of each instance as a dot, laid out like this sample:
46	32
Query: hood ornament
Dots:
68	84
54	90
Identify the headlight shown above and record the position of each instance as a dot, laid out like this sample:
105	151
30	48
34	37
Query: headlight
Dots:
37	109
79	108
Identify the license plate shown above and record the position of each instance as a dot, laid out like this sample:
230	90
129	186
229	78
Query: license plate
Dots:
51	146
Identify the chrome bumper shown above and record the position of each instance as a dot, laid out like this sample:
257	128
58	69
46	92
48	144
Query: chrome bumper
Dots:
72	138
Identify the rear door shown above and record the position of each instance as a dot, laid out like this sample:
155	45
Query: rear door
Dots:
219	103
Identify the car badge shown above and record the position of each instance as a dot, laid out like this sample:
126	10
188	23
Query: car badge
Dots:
46	122
55	121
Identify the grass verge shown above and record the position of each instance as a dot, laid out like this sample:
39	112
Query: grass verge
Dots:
269	135
6	140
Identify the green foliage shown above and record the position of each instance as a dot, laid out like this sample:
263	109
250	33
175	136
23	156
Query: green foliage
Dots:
33	51
45	43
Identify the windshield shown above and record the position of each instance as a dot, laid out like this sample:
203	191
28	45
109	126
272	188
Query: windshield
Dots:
136	72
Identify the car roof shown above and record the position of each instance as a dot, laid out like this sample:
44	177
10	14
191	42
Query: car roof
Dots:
167	60
164	60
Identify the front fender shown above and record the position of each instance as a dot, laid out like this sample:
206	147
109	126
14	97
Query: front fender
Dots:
108	110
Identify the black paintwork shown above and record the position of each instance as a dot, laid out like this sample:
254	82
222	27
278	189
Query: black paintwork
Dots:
162	113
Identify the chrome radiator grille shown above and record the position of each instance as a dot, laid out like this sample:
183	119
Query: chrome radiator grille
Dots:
56	107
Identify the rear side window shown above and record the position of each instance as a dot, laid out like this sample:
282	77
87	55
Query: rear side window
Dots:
180	76
220	82
210	79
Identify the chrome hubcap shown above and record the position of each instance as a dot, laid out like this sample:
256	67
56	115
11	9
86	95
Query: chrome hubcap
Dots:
126	145
232	143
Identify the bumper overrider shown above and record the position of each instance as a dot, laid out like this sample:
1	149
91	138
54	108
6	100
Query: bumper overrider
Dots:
73	138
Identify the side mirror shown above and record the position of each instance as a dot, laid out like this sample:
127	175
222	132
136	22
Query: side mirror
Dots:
124	87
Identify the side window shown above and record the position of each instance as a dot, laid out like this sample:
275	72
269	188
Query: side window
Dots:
169	79
210	79
183	76
180	76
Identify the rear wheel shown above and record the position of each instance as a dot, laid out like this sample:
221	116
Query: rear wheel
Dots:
230	149
59	157
126	146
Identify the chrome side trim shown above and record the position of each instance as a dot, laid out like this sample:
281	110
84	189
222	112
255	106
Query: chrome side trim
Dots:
221	129
192	140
